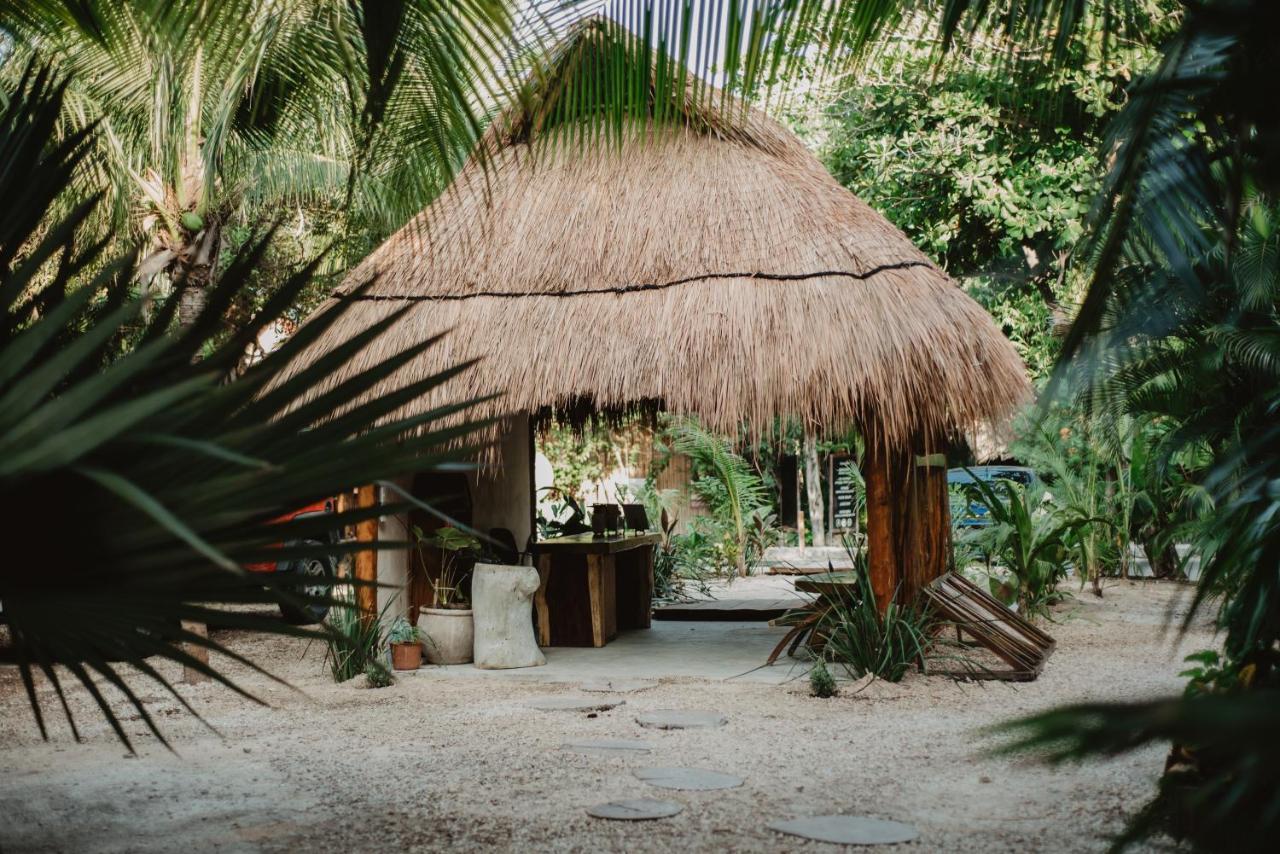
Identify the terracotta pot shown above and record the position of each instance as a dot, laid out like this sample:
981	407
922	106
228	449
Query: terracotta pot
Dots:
447	634
406	656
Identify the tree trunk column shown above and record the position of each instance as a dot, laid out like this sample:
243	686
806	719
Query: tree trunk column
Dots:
908	520
926	526
813	488
883	563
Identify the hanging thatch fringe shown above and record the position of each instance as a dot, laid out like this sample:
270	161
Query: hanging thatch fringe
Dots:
717	268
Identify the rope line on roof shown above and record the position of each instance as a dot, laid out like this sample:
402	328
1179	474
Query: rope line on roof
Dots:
631	289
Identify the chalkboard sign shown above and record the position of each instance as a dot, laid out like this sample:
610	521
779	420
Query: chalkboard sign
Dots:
845	486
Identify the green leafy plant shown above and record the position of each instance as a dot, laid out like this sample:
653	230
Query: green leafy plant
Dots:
1179	319
730	489
679	561
1221	788
402	631
856	636
376	675
354	641
455	546
172	475
216	109
1025	538
821	683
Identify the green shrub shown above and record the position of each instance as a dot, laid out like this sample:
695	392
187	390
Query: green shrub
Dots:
376	675
353	644
1028	539
680	560
821	682
861	640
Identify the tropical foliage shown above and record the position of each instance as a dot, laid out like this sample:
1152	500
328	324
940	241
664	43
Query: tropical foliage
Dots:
1179	324
202	120
741	523
993	180
858	638
354	644
169	475
1027	538
214	117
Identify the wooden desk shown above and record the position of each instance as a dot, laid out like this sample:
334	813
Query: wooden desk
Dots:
589	588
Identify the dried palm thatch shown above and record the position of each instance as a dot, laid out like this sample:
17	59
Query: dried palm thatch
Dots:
714	268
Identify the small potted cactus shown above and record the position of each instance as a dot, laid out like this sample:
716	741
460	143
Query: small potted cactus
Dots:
406	645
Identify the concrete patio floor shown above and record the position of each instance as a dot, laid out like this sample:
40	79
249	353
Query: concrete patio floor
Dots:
712	650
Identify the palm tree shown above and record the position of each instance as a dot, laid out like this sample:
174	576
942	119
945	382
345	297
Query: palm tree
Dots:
206	107
136	482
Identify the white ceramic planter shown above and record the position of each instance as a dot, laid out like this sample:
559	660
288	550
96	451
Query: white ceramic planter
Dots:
447	635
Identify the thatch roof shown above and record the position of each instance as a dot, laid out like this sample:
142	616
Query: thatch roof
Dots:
718	270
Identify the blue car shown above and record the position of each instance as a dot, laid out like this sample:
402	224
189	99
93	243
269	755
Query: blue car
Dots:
976	517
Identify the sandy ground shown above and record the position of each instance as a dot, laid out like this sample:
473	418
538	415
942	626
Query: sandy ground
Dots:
438	762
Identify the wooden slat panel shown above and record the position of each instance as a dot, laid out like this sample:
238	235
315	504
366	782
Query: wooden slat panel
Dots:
1006	634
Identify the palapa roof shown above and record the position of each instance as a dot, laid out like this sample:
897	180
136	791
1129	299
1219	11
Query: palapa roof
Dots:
716	270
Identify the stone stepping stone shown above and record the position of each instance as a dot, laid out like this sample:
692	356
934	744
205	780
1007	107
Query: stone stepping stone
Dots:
635	809
848	829
688	779
675	719
574	704
615	686
607	745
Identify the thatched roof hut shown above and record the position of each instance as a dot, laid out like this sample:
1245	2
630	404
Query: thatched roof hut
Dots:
716	269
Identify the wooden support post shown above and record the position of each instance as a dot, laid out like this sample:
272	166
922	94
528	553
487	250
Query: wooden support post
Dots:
908	520
367	559
926	529
882	515
540	603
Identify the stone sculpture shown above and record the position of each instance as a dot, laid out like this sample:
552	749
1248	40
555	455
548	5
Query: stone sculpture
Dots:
502	602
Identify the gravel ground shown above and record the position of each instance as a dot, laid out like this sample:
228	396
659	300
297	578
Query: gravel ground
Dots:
436	763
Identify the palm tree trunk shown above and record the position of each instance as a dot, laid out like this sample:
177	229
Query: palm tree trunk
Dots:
813	488
196	275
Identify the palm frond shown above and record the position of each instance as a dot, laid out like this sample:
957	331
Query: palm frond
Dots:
169	475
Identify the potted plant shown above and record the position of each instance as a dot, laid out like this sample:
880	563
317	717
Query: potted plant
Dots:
406	645
446	627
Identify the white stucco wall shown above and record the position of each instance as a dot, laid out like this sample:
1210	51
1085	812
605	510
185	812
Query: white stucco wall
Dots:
393	565
501	496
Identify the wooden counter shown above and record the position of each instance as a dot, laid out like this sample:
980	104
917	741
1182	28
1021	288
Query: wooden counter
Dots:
591	587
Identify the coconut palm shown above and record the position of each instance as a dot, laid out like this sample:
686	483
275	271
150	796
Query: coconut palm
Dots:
204	108
136	482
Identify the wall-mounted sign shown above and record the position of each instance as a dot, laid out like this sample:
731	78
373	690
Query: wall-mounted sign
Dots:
844	484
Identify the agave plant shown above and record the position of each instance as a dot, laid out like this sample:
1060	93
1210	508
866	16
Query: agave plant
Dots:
858	637
136	480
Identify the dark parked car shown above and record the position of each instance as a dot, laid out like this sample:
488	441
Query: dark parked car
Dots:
975	514
321	568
